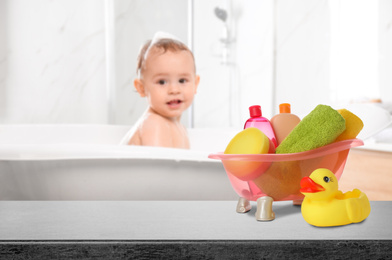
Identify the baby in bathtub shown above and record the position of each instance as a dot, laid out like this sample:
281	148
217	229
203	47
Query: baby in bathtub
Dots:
167	78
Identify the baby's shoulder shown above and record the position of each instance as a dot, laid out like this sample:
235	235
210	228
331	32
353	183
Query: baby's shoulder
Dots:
154	121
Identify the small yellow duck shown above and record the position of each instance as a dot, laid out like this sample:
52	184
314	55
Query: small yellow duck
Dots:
324	205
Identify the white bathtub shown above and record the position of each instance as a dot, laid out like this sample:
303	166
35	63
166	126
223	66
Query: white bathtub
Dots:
86	162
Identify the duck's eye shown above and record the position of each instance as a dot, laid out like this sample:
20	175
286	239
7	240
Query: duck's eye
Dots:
326	179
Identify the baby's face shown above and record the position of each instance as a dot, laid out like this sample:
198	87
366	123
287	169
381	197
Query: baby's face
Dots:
169	82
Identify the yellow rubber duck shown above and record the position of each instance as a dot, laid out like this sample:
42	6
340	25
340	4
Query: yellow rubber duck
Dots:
324	205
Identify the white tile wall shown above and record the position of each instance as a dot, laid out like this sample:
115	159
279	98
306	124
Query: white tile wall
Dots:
385	37
227	90
302	60
52	62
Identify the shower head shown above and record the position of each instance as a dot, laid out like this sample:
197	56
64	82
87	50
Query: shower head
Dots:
220	13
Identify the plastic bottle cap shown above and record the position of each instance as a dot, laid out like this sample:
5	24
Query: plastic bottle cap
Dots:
284	108
255	111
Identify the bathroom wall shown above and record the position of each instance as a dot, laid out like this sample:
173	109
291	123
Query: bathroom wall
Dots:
232	82
3	51
279	53
73	61
385	58
302	54
52	62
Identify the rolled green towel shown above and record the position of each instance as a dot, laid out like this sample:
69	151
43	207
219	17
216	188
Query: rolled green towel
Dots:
320	127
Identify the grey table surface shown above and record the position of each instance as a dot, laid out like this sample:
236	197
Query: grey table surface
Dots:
174	220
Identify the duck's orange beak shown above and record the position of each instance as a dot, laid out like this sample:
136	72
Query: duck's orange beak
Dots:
309	186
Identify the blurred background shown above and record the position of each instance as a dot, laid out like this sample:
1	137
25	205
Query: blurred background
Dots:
74	61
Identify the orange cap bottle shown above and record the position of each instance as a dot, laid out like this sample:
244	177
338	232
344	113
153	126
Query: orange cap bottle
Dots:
284	122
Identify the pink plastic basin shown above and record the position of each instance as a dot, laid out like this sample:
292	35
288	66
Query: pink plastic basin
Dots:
281	178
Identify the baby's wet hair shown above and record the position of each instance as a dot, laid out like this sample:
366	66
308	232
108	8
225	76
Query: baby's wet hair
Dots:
165	44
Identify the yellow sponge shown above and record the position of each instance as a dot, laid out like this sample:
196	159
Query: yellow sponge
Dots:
249	141
354	125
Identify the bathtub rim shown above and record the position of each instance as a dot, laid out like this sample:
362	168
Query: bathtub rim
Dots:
47	152
35	141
